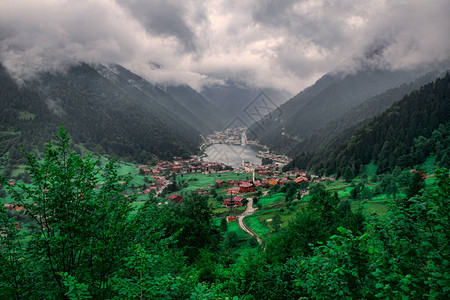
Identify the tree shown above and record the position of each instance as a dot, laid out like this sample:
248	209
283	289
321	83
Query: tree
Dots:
191	222
416	184
276	222
445	162
12	268
223	225
80	217
348	174
231	240
274	189
324	203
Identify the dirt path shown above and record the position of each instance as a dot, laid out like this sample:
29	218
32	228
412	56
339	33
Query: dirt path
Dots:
248	211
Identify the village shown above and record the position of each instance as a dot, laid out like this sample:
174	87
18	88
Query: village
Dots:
159	181
164	170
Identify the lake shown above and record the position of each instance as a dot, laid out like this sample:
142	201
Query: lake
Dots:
232	154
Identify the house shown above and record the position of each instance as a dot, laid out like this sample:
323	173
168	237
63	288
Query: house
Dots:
143	169
202	192
233	182
422	173
301	179
13	207
283	181
176	198
273	181
247	187
232	190
231	219
220	183
176	168
233	202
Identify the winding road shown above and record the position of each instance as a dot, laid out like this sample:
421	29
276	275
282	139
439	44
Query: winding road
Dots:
248	211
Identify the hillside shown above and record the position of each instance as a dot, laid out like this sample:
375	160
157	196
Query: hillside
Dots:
104	113
359	114
328	99
203	110
181	102
403	136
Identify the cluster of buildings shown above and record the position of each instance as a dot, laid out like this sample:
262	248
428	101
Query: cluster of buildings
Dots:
242	187
157	186
182	166
227	136
277	158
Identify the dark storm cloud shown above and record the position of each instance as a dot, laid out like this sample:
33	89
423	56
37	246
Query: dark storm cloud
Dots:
284	44
163	17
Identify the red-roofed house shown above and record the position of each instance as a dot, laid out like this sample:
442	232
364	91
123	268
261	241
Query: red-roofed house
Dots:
176	198
235	201
246	187
220	182
176	168
143	169
234	190
231	219
300	179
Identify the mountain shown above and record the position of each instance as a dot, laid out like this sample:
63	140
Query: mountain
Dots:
243	105
109	110
328	99
182	101
360	113
199	106
404	135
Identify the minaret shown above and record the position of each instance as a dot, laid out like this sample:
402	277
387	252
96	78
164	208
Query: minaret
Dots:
253	174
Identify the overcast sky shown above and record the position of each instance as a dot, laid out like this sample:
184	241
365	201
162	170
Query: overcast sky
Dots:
284	44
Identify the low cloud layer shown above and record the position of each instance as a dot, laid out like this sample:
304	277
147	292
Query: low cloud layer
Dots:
283	44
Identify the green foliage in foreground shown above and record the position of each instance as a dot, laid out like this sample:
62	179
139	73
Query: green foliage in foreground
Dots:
82	242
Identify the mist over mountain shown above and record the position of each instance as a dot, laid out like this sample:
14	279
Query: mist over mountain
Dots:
238	102
109	109
168	102
204	111
329	99
360	113
403	136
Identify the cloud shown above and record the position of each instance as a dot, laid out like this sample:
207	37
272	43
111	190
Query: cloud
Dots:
283	44
165	18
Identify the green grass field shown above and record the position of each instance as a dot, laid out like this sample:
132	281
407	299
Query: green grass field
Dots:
234	226
368	208
271	199
255	224
198	180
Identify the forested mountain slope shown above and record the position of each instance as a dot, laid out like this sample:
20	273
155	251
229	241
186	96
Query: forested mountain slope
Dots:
360	113
104	114
403	136
327	100
199	106
169	103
